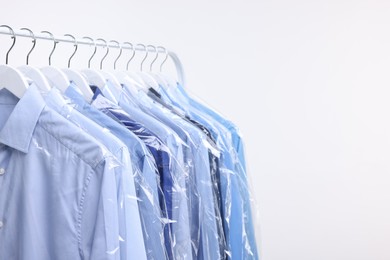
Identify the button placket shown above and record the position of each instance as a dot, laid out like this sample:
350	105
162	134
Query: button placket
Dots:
5	155
2	172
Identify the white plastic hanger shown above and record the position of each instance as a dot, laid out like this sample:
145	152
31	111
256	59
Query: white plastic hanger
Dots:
36	76
122	76
169	81
76	77
127	81
99	78
128	85
149	81
11	78
54	75
33	73
107	75
125	78
93	77
112	94
81	83
111	76
56	78
157	77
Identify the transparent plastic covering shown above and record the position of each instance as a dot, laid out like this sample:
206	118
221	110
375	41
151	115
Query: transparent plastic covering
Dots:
173	176
149	174
60	188
144	175
237	203
137	188
207	237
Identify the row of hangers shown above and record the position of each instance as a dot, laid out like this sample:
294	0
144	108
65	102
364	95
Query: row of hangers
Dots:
17	80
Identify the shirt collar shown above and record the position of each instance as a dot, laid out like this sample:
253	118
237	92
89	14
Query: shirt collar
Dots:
144	99
115	91
19	128
75	95
54	98
101	102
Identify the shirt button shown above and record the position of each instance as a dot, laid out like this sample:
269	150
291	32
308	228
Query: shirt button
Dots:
2	171
1	224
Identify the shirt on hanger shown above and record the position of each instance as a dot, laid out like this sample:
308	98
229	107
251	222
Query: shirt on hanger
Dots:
181	169
130	232
238	223
206	225
146	175
57	186
214	153
171	182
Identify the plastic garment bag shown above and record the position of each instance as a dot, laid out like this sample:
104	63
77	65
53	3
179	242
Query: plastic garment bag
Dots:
147	181
130	232
207	237
206	226
173	178
236	197
61	194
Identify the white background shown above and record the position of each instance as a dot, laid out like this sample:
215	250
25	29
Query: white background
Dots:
306	81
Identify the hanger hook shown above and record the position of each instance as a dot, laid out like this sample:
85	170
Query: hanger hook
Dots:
13	43
120	53
155	58
75	47
54	47
132	55
166	56
34	42
94	52
108	49
147	53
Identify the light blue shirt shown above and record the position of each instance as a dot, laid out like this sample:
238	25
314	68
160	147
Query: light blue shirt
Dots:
238	223
205	218
180	221
57	187
131	237
238	144
147	179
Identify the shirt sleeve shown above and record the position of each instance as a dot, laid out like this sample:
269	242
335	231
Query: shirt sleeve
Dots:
131	239
148	190
98	213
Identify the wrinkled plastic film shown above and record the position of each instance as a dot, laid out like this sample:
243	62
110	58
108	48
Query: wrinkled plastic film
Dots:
148	190
54	187
242	201
236	205
250	216
201	197
236	177
179	216
129	222
138	198
173	177
237	200
105	206
207	237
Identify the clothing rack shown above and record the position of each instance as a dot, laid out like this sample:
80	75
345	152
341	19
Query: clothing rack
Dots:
81	41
